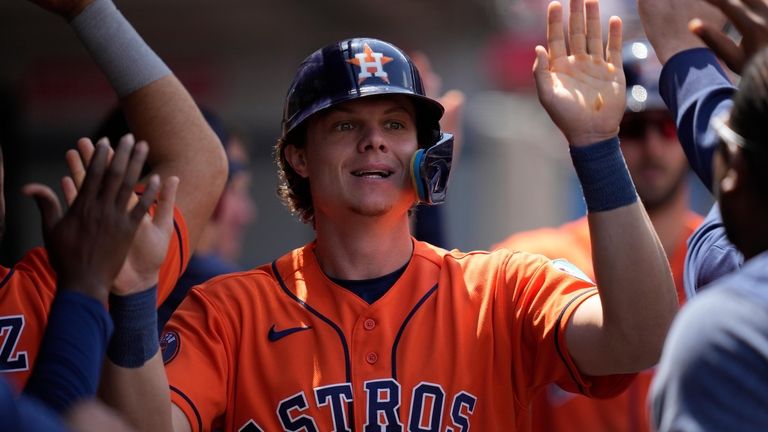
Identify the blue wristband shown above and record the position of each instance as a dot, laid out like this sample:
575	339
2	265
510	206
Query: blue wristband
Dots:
68	367
135	339
603	175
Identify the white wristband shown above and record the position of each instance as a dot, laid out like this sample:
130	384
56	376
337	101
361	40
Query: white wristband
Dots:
127	61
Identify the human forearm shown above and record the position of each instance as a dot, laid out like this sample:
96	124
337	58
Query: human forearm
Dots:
158	109
666	24
140	394
68	367
135	366
622	330
696	89
636	288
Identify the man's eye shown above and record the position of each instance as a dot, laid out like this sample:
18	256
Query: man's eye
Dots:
343	126
395	125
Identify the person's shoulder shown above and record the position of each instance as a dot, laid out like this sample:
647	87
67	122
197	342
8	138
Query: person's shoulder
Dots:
692	221
34	267
549	241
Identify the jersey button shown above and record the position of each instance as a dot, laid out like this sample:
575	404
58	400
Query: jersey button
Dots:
369	324
372	357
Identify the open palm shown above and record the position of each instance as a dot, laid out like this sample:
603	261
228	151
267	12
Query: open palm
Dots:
148	250
584	92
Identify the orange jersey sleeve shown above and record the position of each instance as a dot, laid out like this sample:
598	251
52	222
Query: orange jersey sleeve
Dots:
27	291
459	341
176	258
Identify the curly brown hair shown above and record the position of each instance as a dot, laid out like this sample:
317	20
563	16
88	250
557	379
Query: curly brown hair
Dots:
293	189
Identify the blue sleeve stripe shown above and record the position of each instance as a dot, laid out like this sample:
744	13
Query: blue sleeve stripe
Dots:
191	405
571	372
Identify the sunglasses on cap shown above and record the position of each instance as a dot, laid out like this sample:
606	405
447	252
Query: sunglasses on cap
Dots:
636	126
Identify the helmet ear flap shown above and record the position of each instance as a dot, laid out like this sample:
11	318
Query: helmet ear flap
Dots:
416	180
430	169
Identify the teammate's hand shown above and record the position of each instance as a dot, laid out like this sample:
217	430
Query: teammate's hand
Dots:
68	9
583	92
666	24
751	20
150	246
88	245
452	100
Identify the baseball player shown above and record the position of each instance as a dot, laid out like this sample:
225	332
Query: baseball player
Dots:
365	328
659	170
159	110
715	380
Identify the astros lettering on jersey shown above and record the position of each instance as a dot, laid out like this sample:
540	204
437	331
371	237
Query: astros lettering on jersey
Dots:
462	340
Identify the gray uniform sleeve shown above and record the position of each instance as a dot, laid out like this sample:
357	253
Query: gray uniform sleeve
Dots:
713	374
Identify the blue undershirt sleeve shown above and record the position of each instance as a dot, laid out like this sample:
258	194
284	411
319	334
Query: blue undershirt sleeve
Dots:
72	352
25	414
710	254
696	89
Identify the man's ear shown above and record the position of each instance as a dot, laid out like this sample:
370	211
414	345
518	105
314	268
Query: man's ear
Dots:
735	173
297	159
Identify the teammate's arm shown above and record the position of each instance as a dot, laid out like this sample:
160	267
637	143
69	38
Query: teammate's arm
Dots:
156	105
622	329
666	24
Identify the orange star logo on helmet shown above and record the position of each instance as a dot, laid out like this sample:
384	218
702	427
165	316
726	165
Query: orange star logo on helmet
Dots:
371	64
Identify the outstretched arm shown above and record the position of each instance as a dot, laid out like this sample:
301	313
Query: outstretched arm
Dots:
157	106
666	24
622	329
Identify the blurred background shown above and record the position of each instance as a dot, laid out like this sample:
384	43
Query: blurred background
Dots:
238	57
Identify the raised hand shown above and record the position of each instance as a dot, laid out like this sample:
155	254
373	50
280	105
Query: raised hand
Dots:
666	24
452	100
148	250
583	92
87	246
750	17
66	8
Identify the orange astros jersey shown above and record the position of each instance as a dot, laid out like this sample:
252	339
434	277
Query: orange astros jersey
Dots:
460	340
557	410
27	291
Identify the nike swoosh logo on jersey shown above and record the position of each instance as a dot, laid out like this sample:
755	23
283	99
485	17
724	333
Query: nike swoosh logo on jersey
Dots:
275	335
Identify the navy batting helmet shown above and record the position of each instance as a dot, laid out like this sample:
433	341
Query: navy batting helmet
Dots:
355	68
642	70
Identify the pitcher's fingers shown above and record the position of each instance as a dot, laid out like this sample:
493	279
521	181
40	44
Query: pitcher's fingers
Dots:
594	29
146	199
70	190
723	46
166	202
555	32
577	35
132	173
95	172
613	49
48	204
744	18
113	181
75	163
759	6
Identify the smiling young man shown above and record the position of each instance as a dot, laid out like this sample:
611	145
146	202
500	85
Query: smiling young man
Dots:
367	329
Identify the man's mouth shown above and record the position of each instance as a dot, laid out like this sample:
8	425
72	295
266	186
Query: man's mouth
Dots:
372	173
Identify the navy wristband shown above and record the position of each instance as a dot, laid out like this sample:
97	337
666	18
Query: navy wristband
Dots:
135	339
68	367
603	175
